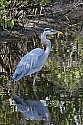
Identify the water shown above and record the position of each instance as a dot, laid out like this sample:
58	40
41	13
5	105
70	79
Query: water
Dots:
59	83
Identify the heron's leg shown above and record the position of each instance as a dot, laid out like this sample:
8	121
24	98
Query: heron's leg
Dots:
35	75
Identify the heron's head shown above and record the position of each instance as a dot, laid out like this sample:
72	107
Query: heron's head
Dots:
49	31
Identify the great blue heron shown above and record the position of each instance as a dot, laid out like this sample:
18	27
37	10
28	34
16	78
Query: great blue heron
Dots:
33	61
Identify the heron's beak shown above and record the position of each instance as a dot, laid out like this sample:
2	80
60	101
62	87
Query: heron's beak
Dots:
57	32
60	33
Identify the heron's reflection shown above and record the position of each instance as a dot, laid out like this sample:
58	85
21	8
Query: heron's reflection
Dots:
33	109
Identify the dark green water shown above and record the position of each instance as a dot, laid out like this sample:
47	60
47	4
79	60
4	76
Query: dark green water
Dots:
59	83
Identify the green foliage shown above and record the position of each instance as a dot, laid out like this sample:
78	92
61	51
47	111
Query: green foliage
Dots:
3	3
45	1
48	1
42	1
5	20
29	1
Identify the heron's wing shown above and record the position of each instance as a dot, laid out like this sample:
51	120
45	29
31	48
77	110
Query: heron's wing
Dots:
28	63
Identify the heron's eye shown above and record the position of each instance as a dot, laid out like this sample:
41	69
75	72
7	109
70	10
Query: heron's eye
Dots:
52	30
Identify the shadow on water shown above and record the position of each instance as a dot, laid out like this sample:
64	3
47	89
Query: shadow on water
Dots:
59	83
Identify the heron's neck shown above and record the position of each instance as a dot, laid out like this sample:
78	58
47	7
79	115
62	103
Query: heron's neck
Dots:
48	48
47	43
